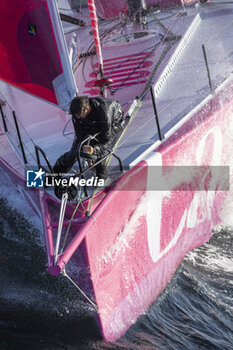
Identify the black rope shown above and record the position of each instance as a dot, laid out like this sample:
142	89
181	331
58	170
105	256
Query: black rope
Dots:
145	58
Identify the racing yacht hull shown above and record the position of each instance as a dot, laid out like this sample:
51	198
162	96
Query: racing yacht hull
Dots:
127	240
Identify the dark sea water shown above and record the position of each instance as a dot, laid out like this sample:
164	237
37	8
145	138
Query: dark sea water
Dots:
38	311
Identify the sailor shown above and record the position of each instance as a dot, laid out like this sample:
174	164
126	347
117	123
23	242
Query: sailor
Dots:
91	116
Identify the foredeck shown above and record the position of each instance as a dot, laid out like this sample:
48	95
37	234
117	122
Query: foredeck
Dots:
187	84
132	66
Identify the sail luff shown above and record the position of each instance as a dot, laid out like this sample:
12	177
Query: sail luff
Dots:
64	95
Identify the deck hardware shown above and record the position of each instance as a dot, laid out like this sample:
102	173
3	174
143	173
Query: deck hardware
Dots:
207	69
182	2
161	137
3	119
32	29
73	20
39	150
19	137
119	160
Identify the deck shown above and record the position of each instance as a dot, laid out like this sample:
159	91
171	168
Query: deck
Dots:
134	65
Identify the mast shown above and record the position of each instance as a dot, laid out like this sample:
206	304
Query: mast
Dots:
102	83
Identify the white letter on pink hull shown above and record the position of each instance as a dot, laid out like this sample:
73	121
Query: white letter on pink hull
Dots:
202	200
154	207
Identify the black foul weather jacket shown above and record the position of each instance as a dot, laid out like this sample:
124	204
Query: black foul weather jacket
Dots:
105	119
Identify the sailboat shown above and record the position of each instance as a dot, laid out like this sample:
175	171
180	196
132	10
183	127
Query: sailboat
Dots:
169	64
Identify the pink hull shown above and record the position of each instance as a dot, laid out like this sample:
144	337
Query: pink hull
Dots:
125	243
134	250
135	239
151	286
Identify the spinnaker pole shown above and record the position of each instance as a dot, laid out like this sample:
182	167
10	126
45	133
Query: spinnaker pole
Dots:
94	24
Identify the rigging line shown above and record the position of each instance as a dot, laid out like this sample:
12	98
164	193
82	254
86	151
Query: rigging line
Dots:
140	128
91	201
84	78
60	224
102	35
163	109
153	72
138	103
128	59
64	129
14	131
89	50
170	15
219	3
32	154
71	220
158	45
166	30
84	209
216	35
64	273
165	51
133	114
109	30
13	128
5	100
144	59
93	69
79	210
83	66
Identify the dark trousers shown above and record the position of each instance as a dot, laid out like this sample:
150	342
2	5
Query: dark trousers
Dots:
65	162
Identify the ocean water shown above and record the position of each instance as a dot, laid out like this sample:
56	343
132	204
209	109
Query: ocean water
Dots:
38	311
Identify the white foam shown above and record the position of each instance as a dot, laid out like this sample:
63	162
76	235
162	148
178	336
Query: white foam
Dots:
214	260
16	201
226	213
